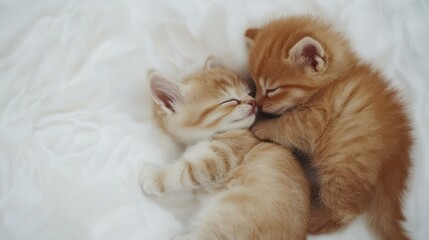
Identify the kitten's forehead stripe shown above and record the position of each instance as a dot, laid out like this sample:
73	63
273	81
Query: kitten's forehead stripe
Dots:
222	87
272	46
270	83
261	82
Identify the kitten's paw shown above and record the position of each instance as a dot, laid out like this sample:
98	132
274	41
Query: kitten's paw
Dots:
261	130
151	181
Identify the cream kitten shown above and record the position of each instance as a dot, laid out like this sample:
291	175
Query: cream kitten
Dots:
249	189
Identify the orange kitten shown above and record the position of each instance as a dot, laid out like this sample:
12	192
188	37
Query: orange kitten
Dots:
342	113
249	189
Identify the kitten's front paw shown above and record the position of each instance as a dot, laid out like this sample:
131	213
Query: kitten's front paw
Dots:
151	180
261	130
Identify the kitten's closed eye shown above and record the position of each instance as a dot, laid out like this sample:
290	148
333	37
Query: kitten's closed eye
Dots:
271	91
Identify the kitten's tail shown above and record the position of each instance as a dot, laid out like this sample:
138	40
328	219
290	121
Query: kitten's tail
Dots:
385	217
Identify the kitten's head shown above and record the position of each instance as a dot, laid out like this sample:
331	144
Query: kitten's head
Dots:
212	101
291	59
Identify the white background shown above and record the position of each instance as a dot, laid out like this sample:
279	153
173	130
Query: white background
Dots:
75	111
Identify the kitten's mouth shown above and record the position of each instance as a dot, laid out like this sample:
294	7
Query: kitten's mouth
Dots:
251	114
254	111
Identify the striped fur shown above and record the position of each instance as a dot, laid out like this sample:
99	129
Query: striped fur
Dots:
257	190
343	114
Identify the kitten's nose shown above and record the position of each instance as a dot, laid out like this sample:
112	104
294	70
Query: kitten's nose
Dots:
258	99
252	103
259	102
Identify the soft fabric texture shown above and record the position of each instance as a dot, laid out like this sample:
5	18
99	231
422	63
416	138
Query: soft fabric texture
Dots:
75	107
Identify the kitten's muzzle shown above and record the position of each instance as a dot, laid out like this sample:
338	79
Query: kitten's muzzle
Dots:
254	106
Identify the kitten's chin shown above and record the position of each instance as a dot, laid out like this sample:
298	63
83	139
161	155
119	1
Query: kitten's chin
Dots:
241	123
249	117
246	122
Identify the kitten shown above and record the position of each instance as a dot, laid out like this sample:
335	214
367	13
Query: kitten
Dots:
339	111
249	189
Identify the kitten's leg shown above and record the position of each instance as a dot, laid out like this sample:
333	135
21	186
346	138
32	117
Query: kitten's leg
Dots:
385	217
202	164
348	180
385	212
298	129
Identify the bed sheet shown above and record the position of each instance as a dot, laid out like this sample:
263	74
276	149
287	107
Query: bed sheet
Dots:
75	112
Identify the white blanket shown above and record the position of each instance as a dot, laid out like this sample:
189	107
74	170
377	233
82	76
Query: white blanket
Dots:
74	107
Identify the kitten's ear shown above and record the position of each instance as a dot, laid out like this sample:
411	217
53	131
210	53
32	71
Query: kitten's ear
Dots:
165	93
251	35
309	52
212	62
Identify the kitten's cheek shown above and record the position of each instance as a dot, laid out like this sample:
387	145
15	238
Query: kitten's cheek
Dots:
267	108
